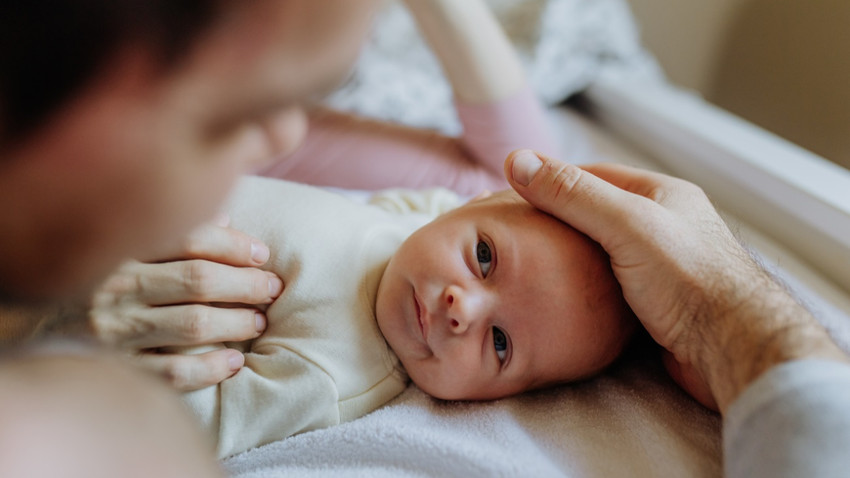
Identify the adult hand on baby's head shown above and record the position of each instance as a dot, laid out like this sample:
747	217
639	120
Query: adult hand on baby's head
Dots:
665	240
146	306
692	285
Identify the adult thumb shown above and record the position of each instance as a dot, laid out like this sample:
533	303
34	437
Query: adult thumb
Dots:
567	192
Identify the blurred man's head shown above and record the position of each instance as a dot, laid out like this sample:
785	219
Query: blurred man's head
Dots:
123	123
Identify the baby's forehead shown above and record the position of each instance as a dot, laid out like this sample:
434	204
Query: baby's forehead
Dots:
506	217
499	201
505	206
506	196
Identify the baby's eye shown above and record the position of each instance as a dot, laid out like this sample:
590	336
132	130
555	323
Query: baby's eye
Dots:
485	258
500	343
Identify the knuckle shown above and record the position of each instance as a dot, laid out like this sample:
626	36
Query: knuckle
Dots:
185	372
116	329
215	370
177	372
198	278
116	288
103	328
681	186
661	194
193	245
198	323
193	372
564	180
673	190
690	188
212	241
118	285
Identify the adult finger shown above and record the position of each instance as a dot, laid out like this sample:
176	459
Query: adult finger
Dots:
192	372
201	281
634	180
179	325
218	243
673	193
577	197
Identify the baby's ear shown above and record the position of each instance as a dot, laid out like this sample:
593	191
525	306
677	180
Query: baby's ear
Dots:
482	195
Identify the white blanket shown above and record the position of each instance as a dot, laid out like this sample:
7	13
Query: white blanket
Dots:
630	422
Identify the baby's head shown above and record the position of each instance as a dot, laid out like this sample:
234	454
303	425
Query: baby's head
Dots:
496	297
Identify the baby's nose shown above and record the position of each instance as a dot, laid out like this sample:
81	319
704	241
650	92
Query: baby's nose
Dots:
463	308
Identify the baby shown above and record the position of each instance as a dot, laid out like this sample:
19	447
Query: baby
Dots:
488	300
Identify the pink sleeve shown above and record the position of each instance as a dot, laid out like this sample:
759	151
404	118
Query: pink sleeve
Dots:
491	131
352	152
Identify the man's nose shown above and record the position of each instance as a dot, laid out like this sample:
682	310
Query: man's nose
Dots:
464	308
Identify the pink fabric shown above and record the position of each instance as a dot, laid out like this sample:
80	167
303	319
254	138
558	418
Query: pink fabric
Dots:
337	145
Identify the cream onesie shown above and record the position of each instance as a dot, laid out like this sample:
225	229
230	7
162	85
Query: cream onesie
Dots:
322	359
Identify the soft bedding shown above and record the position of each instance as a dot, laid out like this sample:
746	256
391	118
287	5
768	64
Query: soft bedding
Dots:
629	422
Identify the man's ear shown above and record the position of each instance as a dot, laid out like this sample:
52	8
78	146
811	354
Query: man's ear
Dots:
482	195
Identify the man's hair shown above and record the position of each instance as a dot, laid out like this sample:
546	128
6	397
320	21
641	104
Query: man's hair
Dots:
50	50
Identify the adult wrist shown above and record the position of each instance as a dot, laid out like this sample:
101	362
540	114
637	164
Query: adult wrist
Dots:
750	326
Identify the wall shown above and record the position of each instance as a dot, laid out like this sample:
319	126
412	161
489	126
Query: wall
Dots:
782	64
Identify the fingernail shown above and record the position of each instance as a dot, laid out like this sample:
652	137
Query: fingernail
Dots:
259	252
235	361
525	166
275	286
260	322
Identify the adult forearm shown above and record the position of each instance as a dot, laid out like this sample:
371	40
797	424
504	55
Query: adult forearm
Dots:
748	325
477	57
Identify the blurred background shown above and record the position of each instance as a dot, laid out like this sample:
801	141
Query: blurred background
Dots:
781	64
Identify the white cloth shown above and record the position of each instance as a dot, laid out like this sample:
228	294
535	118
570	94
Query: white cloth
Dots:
794	421
563	44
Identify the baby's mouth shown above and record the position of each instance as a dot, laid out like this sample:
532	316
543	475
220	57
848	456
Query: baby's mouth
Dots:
420	321
419	315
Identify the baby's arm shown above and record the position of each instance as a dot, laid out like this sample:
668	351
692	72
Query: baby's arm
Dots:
276	395
498	111
476	56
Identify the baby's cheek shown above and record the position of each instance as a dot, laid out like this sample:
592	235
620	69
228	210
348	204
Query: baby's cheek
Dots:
423	375
447	382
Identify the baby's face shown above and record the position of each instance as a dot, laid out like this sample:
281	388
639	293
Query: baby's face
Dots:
495	298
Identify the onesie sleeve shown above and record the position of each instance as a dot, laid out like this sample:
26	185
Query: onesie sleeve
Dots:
793	421
427	202
338	146
276	394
